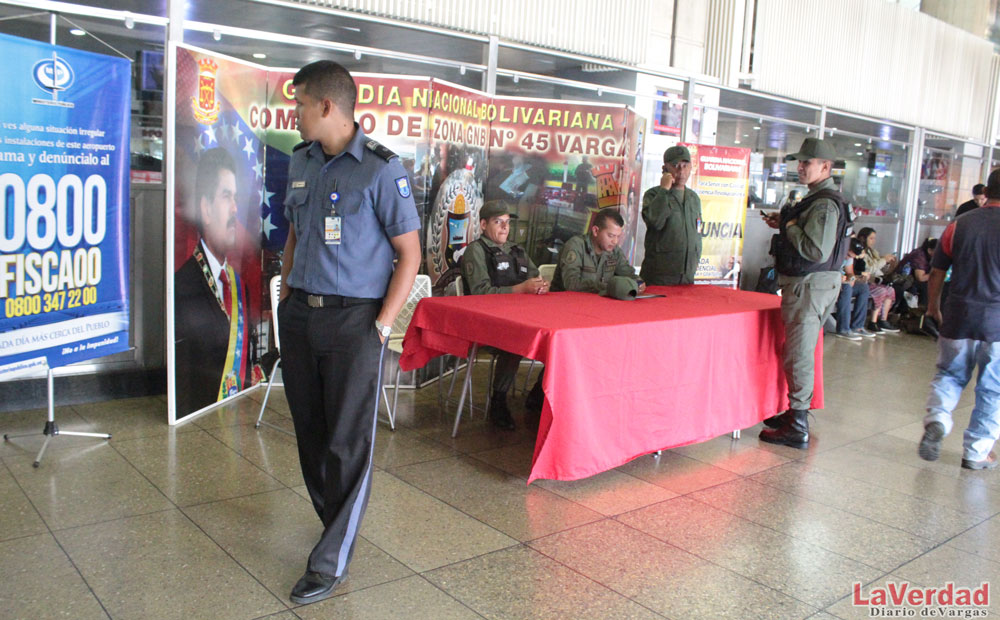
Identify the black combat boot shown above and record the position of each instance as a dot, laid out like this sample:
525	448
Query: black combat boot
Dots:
498	413
795	432
777	421
533	403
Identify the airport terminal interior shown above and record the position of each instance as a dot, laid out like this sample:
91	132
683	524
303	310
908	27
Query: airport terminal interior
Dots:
211	519
203	513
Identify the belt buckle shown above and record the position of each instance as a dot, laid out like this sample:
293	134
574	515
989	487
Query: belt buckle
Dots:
315	301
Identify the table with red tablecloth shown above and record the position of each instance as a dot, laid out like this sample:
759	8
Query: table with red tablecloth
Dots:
624	378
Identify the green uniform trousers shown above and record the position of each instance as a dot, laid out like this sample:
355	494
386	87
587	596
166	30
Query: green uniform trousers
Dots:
806	303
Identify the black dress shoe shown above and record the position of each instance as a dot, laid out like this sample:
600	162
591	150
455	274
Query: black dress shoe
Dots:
314	587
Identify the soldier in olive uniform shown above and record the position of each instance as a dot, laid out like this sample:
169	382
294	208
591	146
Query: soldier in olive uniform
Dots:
812	241
491	265
589	263
672	214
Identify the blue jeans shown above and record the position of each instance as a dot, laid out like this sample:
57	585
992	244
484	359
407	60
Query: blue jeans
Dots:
956	361
858	293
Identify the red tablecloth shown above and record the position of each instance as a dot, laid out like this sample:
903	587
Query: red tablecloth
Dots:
624	378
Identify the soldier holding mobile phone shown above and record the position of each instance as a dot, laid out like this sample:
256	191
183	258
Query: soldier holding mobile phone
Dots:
672	213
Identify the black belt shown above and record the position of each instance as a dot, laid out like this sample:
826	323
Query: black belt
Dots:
328	301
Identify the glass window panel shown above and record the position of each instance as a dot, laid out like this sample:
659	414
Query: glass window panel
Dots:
525	87
872	174
771	178
337	28
283	55
872	129
746	101
949	169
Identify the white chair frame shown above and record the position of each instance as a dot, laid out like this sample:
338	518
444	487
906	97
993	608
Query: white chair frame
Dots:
275	287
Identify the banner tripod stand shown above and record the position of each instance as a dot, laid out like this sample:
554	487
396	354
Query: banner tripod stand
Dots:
51	429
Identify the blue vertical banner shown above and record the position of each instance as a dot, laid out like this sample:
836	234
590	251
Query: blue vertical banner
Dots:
64	156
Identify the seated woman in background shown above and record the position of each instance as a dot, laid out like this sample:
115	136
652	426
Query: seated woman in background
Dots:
918	265
882	294
852	303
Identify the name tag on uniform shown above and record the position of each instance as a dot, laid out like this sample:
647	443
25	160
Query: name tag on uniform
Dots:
331	233
503	266
298	184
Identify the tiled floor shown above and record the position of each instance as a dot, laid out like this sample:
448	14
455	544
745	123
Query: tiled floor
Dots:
210	519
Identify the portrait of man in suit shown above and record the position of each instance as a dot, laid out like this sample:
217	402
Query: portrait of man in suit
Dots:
213	329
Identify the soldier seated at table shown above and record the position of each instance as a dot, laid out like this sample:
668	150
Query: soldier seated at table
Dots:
491	265
593	262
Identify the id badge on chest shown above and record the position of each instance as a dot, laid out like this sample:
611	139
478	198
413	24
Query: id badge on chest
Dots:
332	229
332	222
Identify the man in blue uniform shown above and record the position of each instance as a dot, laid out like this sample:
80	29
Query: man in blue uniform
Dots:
351	211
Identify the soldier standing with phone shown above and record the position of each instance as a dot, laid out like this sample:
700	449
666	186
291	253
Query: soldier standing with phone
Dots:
672	213
810	247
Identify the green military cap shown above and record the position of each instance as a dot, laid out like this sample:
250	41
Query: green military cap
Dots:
675	154
814	148
494	208
622	287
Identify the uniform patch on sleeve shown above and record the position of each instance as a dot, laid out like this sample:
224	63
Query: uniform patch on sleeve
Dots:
571	256
403	186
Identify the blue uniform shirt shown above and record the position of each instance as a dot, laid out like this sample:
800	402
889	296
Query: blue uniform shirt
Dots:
374	202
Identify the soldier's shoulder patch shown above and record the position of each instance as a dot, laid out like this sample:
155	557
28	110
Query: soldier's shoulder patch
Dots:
571	256
403	187
301	145
380	149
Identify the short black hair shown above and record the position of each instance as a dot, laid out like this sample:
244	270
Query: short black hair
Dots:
978	189
857	246
993	185
608	213
207	178
929	244
325	79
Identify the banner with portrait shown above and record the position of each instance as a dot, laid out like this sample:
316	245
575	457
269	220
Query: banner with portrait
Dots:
721	176
558	163
555	162
64	216
218	190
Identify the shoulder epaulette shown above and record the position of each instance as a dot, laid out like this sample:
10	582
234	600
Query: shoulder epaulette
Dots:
380	150
301	145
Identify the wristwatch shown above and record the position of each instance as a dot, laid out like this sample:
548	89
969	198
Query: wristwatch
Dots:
383	330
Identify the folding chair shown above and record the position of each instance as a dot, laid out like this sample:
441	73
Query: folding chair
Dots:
275	293
421	288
